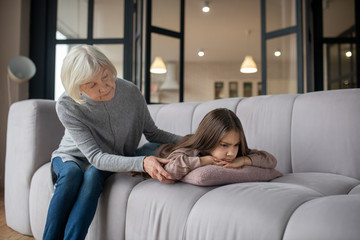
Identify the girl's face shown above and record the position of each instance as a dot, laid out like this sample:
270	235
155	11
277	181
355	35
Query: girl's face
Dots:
228	147
101	87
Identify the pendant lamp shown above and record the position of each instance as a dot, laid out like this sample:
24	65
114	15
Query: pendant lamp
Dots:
248	65
158	66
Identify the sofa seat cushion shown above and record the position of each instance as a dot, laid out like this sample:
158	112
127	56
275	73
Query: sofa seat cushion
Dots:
246	211
329	217
160	211
211	175
324	183
355	190
185	211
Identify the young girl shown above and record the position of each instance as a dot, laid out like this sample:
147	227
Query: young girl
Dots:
219	140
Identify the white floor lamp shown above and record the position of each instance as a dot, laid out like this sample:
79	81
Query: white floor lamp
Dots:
20	70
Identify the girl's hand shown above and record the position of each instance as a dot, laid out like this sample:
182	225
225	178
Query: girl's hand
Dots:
236	163
207	160
153	166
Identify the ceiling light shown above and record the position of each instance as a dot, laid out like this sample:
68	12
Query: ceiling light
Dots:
348	54
206	7
201	53
248	65
277	53
158	66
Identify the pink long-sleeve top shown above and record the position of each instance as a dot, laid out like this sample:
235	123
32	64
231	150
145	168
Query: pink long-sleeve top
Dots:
184	160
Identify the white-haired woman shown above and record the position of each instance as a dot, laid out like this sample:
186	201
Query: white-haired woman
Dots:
104	118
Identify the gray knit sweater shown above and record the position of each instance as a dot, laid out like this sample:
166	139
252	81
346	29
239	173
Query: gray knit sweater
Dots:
105	134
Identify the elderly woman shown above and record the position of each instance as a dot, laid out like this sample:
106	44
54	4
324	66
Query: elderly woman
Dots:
104	119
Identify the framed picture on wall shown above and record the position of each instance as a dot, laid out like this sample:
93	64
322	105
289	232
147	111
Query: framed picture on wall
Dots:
219	90
259	88
247	89
233	89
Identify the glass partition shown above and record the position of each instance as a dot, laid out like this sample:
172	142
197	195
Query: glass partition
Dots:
280	14
166	14
165	86
341	68
72	17
109	19
281	65
338	16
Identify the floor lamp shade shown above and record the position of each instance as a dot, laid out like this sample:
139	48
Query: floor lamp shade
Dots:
21	69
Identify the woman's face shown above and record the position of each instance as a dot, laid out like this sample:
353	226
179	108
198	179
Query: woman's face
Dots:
228	147
101	87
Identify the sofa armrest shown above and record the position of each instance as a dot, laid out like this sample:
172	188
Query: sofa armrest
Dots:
33	132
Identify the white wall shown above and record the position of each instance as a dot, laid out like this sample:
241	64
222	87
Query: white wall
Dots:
199	79
14	28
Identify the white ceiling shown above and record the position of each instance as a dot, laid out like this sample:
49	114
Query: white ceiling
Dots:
222	31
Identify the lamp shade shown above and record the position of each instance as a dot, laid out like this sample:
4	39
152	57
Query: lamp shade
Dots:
158	66
21	69
170	80
248	65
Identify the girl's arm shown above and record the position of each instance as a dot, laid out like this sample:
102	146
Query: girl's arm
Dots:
262	159
183	160
256	158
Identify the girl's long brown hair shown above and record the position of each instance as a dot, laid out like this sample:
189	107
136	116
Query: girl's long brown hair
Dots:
211	129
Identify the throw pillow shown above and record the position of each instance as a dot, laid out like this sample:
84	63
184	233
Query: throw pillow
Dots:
211	175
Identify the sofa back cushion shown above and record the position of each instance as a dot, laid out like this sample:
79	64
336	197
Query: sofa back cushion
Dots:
326	132
267	123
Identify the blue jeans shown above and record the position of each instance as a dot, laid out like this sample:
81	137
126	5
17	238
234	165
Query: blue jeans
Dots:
148	149
73	205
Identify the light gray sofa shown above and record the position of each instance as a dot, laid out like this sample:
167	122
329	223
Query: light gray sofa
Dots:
314	136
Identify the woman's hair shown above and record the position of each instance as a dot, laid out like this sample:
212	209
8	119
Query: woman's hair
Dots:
80	65
211	129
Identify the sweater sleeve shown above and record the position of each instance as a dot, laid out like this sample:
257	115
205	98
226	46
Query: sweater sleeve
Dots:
83	139
262	159
182	161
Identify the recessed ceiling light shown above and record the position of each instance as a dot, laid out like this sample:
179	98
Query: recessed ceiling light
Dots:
277	53
201	53
206	7
348	53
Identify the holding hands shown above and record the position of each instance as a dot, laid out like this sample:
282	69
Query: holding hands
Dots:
153	166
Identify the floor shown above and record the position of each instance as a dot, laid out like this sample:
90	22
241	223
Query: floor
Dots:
5	231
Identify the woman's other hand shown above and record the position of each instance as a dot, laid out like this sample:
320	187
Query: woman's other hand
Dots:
153	166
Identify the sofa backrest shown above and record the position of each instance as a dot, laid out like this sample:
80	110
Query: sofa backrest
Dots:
326	132
33	132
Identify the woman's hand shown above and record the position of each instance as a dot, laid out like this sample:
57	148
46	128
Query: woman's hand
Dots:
152	165
236	163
